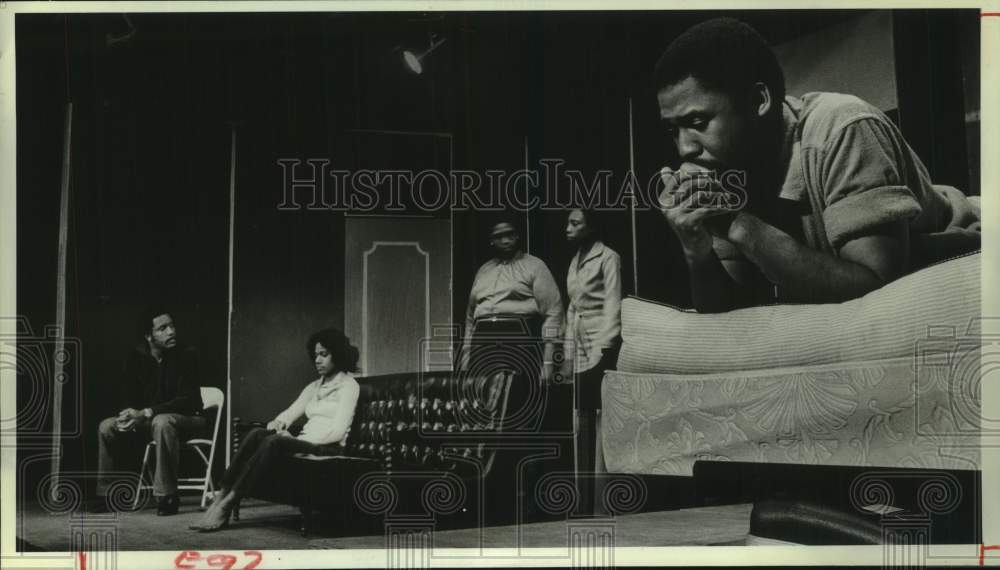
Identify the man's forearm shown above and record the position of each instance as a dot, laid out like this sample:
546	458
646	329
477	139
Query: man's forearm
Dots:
713	290
805	274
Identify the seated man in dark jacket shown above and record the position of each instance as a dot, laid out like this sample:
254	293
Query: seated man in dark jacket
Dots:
161	401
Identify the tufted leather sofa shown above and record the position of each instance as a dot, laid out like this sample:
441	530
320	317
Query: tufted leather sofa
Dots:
426	439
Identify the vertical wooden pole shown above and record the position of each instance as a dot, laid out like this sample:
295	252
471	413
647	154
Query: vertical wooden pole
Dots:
229	312
631	170
60	342
527	200
600	469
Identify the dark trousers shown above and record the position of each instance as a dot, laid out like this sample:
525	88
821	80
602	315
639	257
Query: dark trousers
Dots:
507	342
168	431
587	386
260	451
514	343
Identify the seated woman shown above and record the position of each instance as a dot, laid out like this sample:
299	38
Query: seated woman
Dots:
327	402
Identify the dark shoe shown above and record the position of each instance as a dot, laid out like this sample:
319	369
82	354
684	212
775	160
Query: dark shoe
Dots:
168	505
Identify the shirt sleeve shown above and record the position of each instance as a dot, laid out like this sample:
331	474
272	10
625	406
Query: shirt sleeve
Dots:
569	334
298	407
549	302
470	312
611	268
569	328
862	172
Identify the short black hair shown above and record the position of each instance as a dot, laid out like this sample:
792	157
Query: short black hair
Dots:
724	54
596	220
144	324
345	355
504	219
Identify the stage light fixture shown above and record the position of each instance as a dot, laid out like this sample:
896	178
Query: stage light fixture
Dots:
414	61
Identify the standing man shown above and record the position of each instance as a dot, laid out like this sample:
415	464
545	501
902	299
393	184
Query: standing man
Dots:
161	401
834	202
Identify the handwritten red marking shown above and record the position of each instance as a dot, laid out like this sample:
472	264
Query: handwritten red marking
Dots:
254	563
187	560
226	561
83	560
184	557
988	14
983	549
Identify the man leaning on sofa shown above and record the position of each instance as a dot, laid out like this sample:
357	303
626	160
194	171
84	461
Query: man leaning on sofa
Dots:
834	203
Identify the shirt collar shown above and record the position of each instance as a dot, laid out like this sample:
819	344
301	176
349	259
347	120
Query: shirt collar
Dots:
517	257
792	187
337	378
596	251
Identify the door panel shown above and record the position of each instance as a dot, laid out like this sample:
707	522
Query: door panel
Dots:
397	291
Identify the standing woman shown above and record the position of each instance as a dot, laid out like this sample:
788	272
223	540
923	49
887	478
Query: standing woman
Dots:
328	403
593	319
593	327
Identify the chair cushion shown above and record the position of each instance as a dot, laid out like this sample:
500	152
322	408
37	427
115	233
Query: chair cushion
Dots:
885	323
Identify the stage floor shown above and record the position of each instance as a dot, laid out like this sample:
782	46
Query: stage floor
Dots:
269	526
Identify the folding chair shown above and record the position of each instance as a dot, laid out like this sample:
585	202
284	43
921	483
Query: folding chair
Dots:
210	396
